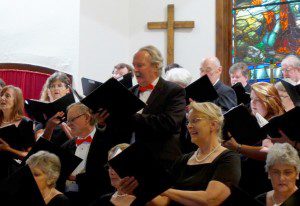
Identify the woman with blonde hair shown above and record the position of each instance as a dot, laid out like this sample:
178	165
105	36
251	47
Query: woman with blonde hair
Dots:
45	168
204	177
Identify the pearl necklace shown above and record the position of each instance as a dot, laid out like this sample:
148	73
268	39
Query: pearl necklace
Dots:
204	158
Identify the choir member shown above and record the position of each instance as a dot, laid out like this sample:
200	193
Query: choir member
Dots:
45	168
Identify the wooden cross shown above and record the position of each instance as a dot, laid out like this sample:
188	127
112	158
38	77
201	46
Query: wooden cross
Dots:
170	25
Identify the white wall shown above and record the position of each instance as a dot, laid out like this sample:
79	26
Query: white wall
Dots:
88	37
39	32
111	31
104	37
191	45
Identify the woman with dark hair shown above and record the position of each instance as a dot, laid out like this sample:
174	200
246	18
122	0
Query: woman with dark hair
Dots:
12	113
56	86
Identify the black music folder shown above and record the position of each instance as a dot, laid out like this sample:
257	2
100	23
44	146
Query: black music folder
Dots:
243	126
288	123
242	96
89	85
20	189
113	96
126	80
138	161
42	111
201	90
68	160
293	200
293	91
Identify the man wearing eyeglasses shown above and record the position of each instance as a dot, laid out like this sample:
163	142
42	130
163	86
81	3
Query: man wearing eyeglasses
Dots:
89	179
291	68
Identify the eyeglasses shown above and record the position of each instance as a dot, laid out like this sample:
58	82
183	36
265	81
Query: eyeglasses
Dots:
58	86
287	70
73	119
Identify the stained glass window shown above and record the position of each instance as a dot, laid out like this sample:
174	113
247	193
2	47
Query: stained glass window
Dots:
263	33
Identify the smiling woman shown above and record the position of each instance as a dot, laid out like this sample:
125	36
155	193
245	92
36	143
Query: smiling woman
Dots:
204	177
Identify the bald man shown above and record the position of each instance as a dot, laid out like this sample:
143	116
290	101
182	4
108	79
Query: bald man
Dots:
212	68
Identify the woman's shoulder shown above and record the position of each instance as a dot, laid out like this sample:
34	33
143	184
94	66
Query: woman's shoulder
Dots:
59	200
227	154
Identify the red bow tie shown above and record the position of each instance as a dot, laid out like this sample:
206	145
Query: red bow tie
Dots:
145	88
79	141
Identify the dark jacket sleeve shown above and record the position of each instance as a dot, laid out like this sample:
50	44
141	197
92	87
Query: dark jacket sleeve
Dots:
169	119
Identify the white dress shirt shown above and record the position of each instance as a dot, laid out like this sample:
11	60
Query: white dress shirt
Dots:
82	151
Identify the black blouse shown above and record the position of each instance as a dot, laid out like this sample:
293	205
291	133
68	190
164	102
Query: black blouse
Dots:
225	168
59	200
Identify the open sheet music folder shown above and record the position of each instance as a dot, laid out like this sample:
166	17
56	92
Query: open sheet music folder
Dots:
113	96
138	161
42	111
242	125
201	90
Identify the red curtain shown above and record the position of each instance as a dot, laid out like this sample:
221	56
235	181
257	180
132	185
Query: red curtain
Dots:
30	82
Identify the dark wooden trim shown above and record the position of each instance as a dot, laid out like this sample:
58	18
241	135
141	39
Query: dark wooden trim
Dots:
223	36
29	67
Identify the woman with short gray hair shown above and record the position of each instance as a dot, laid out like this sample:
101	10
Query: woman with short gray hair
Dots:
45	168
283	167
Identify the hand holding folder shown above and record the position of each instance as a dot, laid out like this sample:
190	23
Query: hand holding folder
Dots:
42	111
138	162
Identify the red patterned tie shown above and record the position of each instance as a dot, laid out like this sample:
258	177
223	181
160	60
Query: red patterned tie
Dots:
79	141
145	88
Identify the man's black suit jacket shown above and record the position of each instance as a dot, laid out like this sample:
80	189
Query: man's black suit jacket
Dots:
159	125
95	181
227	97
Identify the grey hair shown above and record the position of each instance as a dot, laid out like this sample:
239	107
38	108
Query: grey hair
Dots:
291	60
48	162
82	109
156	57
57	76
239	66
179	75
212	59
283	153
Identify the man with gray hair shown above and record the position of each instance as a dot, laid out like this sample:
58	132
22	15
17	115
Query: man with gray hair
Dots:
291	68
212	68
239	72
89	179
158	125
